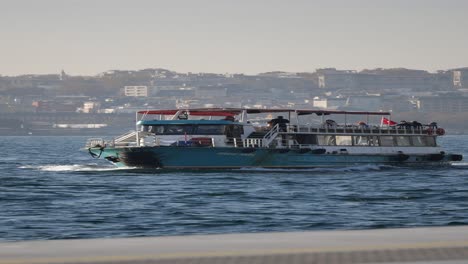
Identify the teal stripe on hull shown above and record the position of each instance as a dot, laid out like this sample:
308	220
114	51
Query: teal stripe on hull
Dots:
201	157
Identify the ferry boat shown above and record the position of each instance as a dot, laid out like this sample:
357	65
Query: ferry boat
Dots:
218	138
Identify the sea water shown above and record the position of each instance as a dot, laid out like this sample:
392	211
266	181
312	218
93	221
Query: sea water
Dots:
50	189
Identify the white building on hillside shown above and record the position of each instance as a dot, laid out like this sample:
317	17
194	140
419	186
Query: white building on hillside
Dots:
136	91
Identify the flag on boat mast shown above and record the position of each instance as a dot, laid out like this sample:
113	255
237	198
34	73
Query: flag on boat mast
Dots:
388	122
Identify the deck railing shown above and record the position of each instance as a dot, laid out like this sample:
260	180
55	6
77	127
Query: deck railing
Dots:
126	136
352	129
95	143
254	143
271	135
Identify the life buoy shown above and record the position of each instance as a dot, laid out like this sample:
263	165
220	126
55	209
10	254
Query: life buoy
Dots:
430	131
440	131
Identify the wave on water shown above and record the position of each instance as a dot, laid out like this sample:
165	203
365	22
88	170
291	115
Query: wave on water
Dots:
74	167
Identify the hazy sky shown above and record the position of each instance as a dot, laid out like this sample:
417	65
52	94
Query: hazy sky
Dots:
91	36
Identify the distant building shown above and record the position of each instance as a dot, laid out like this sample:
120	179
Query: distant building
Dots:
331	78
54	106
91	107
329	103
460	78
136	91
384	80
399	78
443	104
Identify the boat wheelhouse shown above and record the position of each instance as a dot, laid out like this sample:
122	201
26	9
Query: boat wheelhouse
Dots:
270	138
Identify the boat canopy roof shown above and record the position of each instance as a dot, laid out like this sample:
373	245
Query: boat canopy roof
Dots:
237	111
185	122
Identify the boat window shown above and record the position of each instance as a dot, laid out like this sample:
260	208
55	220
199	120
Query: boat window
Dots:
374	141
403	141
234	131
361	141
386	141
419	141
366	141
306	139
209	130
430	141
178	129
344	140
159	130
423	141
326	140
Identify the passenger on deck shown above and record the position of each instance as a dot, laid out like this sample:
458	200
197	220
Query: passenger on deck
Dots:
362	124
433	125
282	123
404	124
330	123
407	125
416	124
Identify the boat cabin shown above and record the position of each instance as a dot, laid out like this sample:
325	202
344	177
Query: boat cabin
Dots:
200	128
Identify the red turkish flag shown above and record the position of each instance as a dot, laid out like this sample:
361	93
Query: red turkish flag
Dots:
387	121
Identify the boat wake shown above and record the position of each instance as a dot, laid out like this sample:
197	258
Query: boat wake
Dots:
74	167
460	165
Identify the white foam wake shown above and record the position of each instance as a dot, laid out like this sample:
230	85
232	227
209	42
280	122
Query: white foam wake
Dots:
74	167
462	164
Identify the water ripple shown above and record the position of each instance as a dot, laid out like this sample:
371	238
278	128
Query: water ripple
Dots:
51	190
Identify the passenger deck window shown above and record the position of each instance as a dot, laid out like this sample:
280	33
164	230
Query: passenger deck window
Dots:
178	129
386	141
403	141
419	141
158	130
361	140
306	139
209	130
365	141
344	141
374	141
326	140
430	141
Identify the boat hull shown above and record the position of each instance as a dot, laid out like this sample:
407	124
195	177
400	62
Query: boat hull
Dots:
219	158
